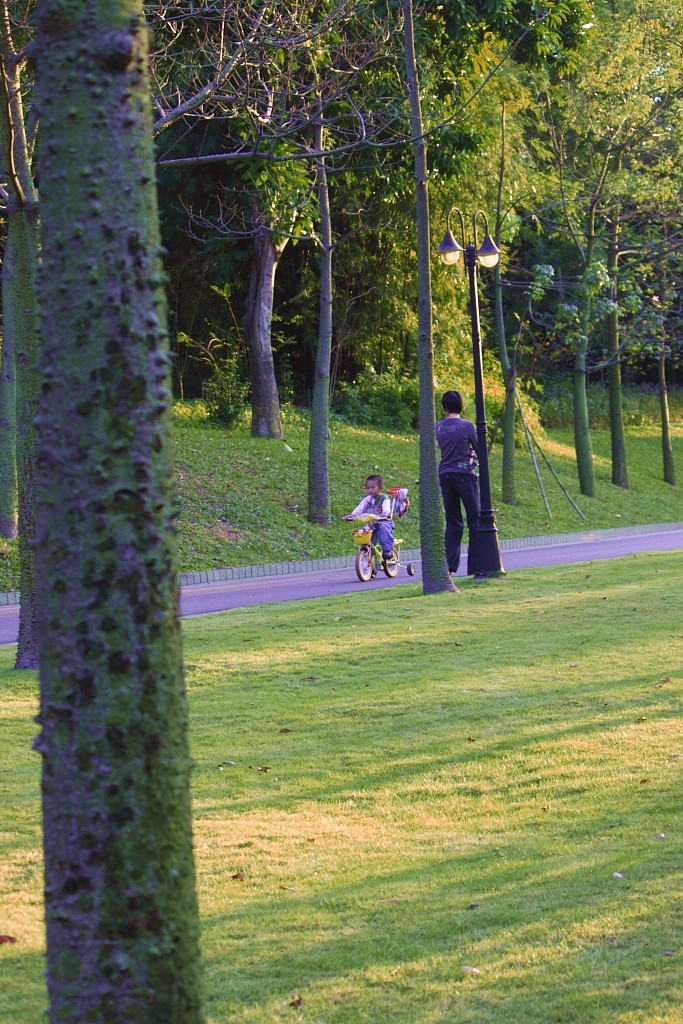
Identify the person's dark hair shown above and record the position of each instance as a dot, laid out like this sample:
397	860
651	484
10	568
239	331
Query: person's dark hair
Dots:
373	476
452	401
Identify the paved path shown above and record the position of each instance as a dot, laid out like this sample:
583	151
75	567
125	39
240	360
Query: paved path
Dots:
202	598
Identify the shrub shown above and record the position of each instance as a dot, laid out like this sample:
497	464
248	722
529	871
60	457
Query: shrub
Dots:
225	394
640	405
379	400
190	410
495	400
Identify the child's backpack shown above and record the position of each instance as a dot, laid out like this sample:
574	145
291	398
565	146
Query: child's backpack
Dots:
400	501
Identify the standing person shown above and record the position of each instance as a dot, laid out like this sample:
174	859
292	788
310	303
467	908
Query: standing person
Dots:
457	440
377	503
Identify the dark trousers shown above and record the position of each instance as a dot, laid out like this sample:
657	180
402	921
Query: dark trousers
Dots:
458	490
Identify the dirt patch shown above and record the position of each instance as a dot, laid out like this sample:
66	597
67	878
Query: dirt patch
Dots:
226	532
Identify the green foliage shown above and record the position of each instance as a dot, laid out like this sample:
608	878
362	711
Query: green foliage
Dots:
379	400
640	405
495	403
543	276
225	393
190	412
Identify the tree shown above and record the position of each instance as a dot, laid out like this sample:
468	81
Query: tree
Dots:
20	323
9	522
318	475
435	576
611	128
251	66
121	915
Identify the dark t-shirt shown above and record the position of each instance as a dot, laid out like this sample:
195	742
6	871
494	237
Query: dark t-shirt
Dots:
456	438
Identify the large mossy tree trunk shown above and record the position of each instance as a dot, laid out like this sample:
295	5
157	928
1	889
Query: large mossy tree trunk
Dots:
616	409
435	576
121	914
318	474
265	403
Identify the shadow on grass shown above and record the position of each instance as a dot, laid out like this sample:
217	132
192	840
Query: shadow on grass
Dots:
451	739
554	941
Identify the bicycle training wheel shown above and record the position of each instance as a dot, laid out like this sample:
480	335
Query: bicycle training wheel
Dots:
391	564
364	564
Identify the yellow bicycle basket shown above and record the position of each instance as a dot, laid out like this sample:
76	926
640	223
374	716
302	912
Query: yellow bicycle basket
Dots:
362	536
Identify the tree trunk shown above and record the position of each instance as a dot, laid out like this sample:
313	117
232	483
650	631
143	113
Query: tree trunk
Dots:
616	412
20	318
8	401
265	404
435	577
318	476
509	495
582	436
121	914
23	223
667	450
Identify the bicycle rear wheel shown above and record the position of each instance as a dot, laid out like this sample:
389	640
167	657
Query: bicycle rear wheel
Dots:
364	563
391	564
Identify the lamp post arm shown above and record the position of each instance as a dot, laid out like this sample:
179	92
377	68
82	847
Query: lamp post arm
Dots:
455	209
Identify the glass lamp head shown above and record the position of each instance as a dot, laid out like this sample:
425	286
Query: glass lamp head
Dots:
449	250
488	253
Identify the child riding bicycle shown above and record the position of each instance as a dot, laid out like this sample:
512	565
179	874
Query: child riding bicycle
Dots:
377	503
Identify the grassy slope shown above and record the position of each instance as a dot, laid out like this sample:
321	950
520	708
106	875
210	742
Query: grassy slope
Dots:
243	499
458	796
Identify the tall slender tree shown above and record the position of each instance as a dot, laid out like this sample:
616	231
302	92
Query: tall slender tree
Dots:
616	418
20	319
435	576
9	518
612	128
122	928
318	475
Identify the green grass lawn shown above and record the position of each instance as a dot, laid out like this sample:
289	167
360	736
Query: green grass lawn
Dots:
243	499
453	782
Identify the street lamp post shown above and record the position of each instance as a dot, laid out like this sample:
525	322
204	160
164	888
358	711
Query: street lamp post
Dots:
489	562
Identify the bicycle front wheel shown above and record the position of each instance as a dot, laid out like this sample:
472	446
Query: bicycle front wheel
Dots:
364	564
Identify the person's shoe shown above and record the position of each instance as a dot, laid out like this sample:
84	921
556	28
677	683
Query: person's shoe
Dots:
479	575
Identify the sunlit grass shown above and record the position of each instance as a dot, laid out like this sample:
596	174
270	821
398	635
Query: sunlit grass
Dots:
452	782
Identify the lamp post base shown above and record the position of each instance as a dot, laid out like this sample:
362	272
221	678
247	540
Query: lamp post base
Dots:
489	562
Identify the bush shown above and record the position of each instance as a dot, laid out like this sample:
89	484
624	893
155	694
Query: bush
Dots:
495	395
225	394
640	405
190	410
379	400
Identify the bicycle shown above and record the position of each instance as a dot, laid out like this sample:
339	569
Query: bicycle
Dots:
369	557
